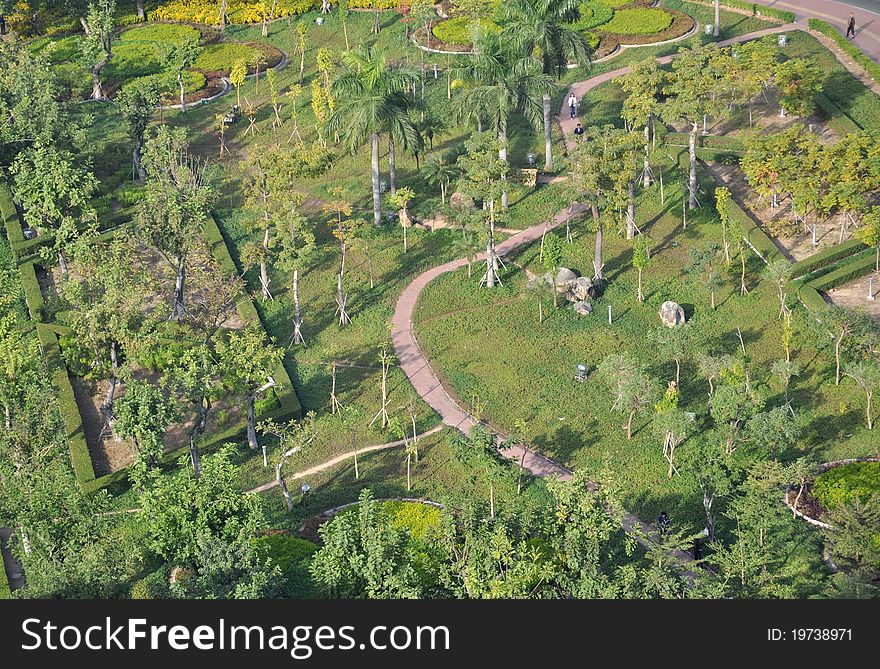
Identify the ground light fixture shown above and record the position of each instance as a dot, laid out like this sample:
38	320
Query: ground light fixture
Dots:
580	373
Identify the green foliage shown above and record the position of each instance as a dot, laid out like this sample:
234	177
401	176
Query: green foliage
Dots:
459	30
593	13
843	484
760	8
219	57
826	257
292	556
639	21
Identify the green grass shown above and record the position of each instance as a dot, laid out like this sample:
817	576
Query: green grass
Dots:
639	21
163	33
489	345
844	484
458	30
219	57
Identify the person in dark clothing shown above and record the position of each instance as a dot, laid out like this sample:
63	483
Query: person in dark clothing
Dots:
578	130
663	523
851	26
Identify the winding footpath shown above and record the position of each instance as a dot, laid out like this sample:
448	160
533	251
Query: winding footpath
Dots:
418	368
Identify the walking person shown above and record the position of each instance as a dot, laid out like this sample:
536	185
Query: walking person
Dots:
851	26
572	105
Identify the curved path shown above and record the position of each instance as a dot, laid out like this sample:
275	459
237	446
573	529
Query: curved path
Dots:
416	365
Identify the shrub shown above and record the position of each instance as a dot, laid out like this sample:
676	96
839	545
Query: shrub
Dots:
846	483
74	82
826	257
160	32
639	21
292	556
152	586
420	520
374	4
32	294
206	12
756	8
458	30
219	57
593	13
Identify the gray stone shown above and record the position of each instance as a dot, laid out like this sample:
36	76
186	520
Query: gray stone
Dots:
671	314
583	308
459	199
565	276
580	289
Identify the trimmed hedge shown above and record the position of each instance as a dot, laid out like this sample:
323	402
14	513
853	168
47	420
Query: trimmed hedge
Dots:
33	296
638	21
859	265
811	299
80	458
9	214
846	46
757	8
826	258
838	120
5	592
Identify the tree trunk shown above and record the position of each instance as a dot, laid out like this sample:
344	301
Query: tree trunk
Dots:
182	91
198	429
869	411
177	306
107	406
443	198
140	10
297	314
279	477
678	372
692	175
717	29
502	153
97	89
251	420
374	176
392	169
491	261
646	169
136	161
345	32
222	14
408	470
630	209
548	135
264	266
597	255
837	345
629	424
640	296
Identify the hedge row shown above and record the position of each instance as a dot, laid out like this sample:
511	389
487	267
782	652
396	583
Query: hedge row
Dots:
858	266
846	46
838	120
80	459
33	296
811	299
8	213
826	258
757	8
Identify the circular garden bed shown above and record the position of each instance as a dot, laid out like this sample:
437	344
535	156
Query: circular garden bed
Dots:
835	484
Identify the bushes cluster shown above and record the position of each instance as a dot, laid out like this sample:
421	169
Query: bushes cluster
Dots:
374	4
206	12
846	483
757	8
292	556
593	13
638	21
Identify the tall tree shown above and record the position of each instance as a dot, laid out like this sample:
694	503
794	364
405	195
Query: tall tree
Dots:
643	86
543	27
630	386
175	205
135	104
505	81
371	98
179	58
143	414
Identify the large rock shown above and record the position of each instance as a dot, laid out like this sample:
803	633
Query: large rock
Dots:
671	314
564	276
583	308
579	290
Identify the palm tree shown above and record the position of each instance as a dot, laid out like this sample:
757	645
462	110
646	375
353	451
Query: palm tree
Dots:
540	26
504	81
371	99
441	170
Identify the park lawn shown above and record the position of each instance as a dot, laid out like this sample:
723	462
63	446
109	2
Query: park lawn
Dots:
489	346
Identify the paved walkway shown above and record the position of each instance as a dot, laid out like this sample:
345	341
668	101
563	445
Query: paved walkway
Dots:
837	13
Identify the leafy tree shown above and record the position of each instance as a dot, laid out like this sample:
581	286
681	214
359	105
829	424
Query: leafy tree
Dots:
205	528
479	453
180	57
774	431
504	81
541	286
175	205
703	263
693	92
135	104
866	374
237	75
853	543
710	367
344	229
674	344
798	81
672	425
632	389
779	271
143	414
735	401
372	97
643	86
401	199
96	43
248	362
343	19
440	170
710	467
869	234
293	437
758	65
297	249
543	27
365	556
262	187
55	194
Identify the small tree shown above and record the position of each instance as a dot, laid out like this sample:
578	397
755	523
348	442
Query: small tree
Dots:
344	230
248	362
709	467
798	81
869	234
293	437
779	271
672	425
237	75
633	390
135	104
440	170
704	264
400	200
96	43
866	374
180	57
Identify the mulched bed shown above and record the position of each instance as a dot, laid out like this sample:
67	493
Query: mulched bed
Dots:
807	504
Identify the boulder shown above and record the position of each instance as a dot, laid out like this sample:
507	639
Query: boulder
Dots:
579	290
564	276
583	308
671	314
459	199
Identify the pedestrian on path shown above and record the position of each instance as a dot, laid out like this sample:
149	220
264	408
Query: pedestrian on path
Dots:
579	130
572	105
851	26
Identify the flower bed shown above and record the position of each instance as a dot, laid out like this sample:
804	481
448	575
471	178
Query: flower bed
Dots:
837	483
207	12
593	13
681	25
